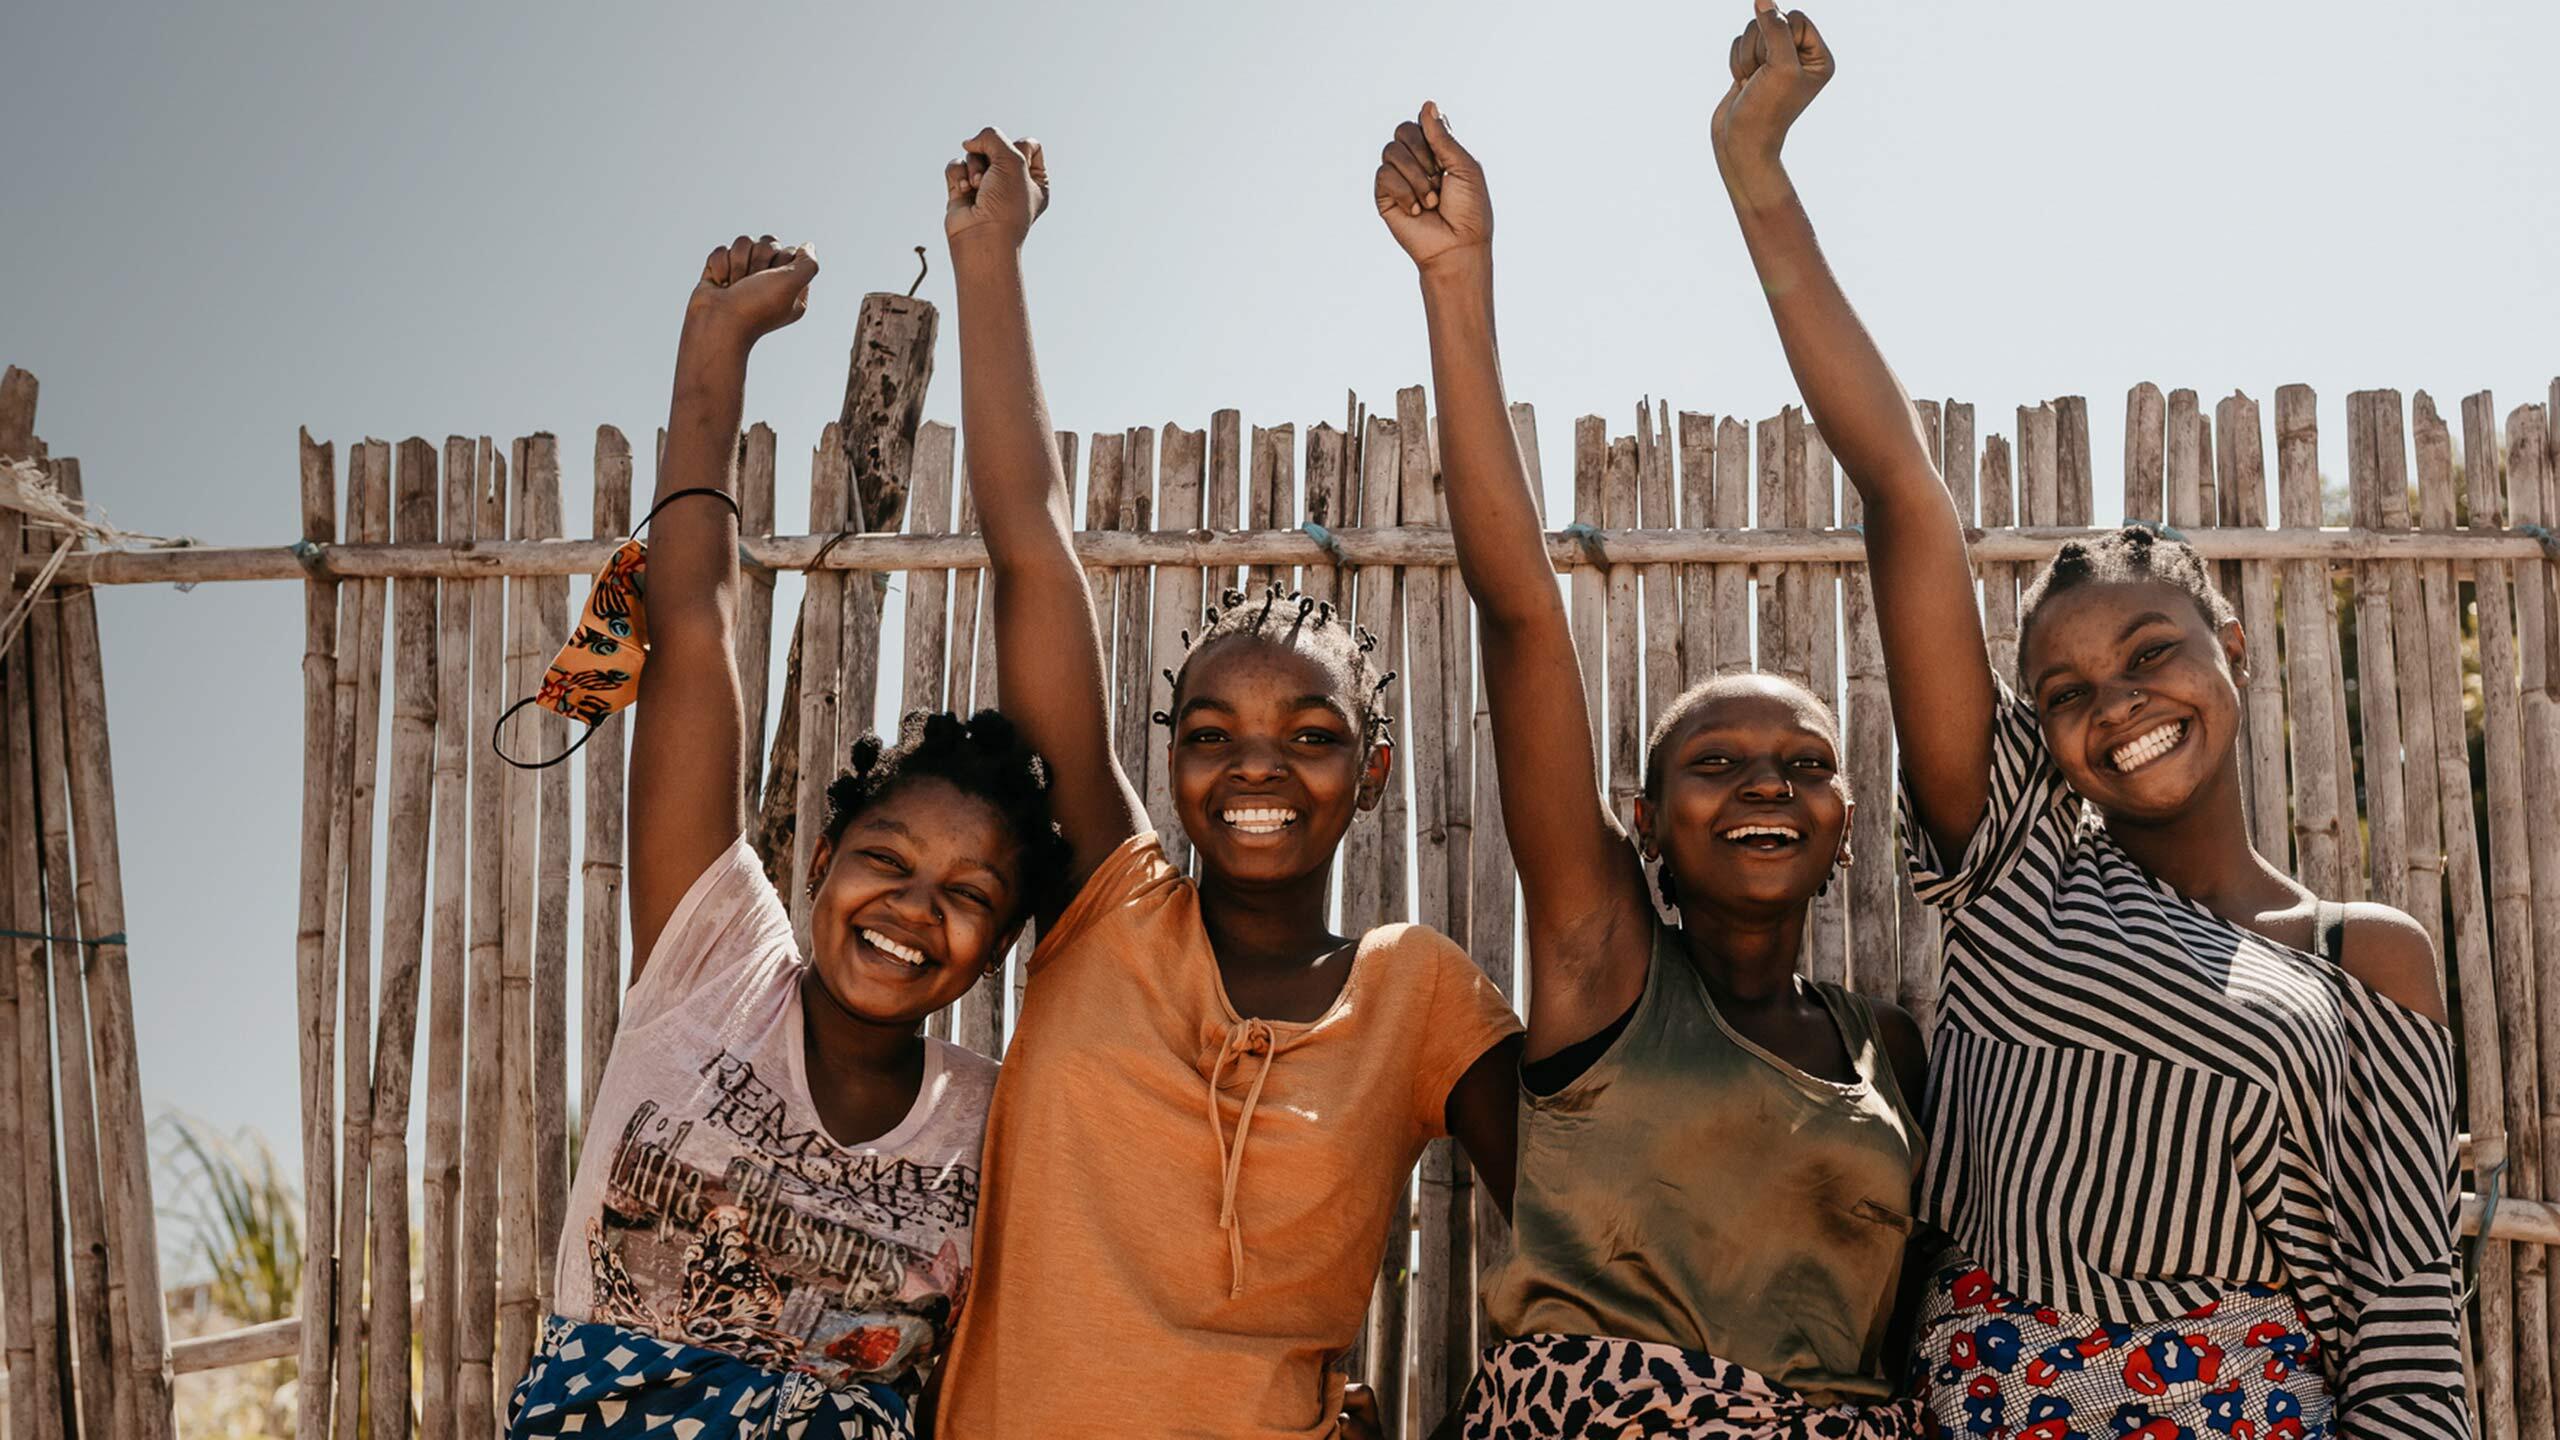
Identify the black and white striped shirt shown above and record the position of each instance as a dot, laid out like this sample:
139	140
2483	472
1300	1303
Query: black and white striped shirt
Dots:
2136	1106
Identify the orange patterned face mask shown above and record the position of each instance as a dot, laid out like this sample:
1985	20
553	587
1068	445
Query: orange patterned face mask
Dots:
598	671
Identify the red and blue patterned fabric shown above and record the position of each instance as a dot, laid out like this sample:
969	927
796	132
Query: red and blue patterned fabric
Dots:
1990	1366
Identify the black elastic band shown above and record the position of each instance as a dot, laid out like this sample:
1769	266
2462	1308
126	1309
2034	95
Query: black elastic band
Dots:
501	750
666	500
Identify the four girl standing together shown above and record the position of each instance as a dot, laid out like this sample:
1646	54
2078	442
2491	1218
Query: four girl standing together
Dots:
2185	1163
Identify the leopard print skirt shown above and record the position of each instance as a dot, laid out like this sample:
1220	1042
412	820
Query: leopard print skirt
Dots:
1544	1387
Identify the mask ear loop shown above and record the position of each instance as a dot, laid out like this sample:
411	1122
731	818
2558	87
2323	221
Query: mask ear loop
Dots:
499	728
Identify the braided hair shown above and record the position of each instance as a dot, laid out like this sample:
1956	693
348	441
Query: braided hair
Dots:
1293	620
2136	552
983	756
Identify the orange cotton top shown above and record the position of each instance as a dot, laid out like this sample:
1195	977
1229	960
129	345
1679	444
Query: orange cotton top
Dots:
1181	1209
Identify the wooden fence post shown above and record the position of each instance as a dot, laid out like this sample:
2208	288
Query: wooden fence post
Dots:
315	932
404	917
475	1374
440	1177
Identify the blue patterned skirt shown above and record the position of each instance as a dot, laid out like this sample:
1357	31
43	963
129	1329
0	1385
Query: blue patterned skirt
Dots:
1990	1366
596	1381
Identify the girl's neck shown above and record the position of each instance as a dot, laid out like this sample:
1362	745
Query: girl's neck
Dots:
1746	956
843	1043
2203	851
1249	923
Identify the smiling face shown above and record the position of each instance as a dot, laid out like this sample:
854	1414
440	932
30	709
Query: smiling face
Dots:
2137	694
918	896
1748	808
1269	757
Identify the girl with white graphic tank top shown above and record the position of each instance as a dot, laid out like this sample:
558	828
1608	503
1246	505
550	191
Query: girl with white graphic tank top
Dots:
769	1233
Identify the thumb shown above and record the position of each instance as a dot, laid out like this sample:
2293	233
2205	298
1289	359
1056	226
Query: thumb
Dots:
804	262
1445	149
991	146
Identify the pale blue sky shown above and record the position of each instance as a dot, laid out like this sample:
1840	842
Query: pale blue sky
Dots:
224	222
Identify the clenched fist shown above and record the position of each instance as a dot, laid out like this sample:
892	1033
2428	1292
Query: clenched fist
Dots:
751	288
1779	64
1431	192
995	190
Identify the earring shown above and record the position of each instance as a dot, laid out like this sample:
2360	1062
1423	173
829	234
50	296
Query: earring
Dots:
813	889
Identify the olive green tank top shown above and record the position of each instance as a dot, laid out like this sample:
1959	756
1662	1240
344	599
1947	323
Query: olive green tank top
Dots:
1692	1189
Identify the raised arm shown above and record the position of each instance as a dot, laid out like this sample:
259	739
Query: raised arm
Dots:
1049	664
1935	660
1590	923
688	745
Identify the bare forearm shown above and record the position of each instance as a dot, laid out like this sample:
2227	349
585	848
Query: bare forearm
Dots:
1864	415
693	552
1493	514
1013	456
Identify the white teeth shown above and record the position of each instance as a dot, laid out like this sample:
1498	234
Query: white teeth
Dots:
903	954
1260	821
1747	832
2149	746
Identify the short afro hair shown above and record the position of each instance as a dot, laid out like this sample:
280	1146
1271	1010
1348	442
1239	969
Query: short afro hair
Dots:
984	756
1714	687
2136	552
1288	618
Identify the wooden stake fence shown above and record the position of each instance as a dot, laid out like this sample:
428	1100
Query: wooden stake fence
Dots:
1717	543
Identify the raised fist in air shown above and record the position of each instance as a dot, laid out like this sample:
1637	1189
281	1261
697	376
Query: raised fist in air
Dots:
1431	193
754	287
995	190
1779	64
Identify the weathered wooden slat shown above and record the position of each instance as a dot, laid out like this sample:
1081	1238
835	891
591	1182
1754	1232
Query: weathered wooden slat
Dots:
1130	613
1181	470
823	722
2377	674
2510	897
409	797
2533	498
928	628
2321	852
2423	853
475	1371
440	1170
323	855
1226	490
755	600
551	899
369	516
2144	490
1731	502
1817	614
2494	1382
1770	508
2241	451
1364	902
1624	643
519	1135
2071	457
1666	639
1999	581
1328	454
601	858
1697	503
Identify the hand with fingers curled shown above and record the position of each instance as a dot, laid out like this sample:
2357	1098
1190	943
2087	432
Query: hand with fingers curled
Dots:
1431	193
1779	63
751	288
995	191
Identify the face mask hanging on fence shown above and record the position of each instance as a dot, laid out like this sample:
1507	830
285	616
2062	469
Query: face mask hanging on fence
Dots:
598	671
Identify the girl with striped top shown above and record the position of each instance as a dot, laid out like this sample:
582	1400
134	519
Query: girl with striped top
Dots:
2190	1127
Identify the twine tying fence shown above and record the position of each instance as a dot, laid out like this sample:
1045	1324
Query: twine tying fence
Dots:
26	489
